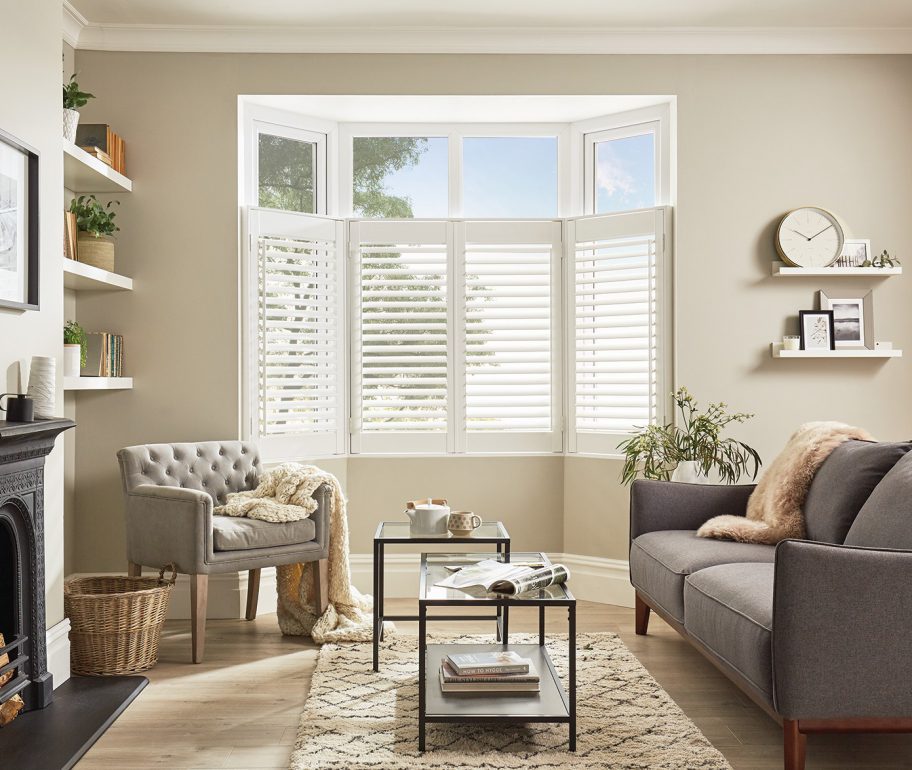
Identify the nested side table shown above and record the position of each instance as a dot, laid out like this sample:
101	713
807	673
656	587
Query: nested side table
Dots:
399	533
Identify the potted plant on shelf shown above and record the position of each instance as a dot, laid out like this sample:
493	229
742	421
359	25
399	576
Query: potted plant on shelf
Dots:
690	451
75	345
95	223
73	99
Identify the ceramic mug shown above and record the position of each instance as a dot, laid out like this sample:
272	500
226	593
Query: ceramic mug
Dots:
463	522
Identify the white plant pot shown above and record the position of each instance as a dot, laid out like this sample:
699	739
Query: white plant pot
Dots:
70	121
72	359
689	472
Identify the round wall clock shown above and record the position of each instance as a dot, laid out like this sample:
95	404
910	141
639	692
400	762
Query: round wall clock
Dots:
809	237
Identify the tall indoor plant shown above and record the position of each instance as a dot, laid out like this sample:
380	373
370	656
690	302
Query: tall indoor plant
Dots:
95	223
73	99
691	450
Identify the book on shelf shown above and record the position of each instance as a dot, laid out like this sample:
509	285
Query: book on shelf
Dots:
104	355
505	578
485	663
97	152
529	675
504	684
103	139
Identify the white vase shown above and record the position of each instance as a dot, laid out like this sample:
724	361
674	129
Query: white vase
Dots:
42	386
689	472
70	121
72	360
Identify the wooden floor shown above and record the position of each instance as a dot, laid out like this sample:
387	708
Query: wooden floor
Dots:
240	708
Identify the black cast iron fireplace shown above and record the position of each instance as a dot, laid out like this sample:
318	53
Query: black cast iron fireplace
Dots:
23	447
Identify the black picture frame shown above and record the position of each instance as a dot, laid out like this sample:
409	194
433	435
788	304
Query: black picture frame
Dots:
32	257
803	314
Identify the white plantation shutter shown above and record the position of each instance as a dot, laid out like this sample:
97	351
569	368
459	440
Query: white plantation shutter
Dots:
295	334
401	336
617	326
511	335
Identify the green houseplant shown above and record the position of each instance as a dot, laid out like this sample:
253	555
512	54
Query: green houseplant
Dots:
695	445
95	223
75	345
73	99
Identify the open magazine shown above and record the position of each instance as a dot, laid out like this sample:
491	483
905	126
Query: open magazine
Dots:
505	578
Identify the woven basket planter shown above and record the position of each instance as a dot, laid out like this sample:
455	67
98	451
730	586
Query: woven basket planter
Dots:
116	622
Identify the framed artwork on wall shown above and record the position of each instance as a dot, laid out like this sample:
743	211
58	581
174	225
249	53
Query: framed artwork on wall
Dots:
855	253
853	319
18	224
816	330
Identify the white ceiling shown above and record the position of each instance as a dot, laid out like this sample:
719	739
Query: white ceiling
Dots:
500	14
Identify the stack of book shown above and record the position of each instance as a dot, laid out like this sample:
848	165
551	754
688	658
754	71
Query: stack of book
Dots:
488	672
104	355
99	140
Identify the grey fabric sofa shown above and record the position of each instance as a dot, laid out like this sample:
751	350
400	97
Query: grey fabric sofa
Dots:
169	493
817	632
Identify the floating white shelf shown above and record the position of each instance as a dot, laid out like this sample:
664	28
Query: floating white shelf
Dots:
777	352
781	270
97	383
82	277
85	174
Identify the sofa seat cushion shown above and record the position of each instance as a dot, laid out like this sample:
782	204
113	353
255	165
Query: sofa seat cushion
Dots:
885	520
844	482
659	562
230	533
729	609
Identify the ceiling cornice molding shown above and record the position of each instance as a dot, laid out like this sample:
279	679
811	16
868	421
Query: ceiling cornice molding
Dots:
73	24
694	40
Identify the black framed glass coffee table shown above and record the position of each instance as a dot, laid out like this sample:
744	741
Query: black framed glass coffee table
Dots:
552	704
400	533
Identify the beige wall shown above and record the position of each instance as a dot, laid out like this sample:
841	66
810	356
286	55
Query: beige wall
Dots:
756	136
30	109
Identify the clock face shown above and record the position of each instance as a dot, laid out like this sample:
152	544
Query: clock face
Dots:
809	237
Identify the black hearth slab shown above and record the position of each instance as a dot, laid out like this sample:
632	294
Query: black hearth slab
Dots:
56	737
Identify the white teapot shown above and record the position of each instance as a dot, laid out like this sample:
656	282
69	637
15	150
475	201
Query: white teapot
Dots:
427	517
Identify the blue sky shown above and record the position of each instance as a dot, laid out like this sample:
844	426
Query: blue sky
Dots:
517	177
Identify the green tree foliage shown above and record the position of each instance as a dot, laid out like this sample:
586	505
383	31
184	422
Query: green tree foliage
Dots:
286	174
375	157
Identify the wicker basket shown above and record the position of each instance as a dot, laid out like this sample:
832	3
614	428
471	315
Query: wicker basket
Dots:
116	622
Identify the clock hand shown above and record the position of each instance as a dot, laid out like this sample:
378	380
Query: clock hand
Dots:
801	234
822	231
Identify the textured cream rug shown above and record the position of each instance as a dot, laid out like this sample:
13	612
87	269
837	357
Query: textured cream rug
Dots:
356	719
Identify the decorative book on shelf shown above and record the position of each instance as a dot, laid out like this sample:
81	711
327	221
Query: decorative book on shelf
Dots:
99	140
104	355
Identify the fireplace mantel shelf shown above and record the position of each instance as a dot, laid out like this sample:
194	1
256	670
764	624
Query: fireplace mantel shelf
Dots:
16	431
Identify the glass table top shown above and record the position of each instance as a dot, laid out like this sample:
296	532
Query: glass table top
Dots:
401	531
434	569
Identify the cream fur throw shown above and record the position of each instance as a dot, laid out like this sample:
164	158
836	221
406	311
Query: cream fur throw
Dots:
775	508
285	494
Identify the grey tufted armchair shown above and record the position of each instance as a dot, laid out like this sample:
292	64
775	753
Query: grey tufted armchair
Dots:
170	490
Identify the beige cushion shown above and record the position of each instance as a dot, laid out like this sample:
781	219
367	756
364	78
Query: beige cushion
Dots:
230	533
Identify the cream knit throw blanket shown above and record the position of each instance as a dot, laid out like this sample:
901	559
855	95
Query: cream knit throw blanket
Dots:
775	510
285	494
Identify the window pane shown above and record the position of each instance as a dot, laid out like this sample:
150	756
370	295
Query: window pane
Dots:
509	176
287	175
625	174
400	177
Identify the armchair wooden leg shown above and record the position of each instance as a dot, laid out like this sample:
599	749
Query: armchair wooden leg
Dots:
642	616
795	743
199	594
321	584
253	592
134	570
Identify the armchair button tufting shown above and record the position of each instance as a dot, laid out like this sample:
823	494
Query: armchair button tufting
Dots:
167	471
214	467
243	450
199	452
221	451
205	484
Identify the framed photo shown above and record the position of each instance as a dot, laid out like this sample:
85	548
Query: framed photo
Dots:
18	224
853	318
816	330
855	252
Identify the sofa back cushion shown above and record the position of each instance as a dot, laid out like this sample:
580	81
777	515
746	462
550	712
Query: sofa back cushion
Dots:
885	520
843	484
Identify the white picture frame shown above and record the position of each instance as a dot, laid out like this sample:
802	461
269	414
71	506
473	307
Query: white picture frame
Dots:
855	251
853	318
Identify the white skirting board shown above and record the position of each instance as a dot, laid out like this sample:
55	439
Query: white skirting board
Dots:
592	579
58	651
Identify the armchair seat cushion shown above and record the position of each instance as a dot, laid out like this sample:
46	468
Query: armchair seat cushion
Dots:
660	561
729	609
231	533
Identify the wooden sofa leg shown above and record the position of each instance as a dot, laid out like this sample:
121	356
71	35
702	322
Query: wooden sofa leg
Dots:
199	595
321	584
642	616
795	743
253	593
134	570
